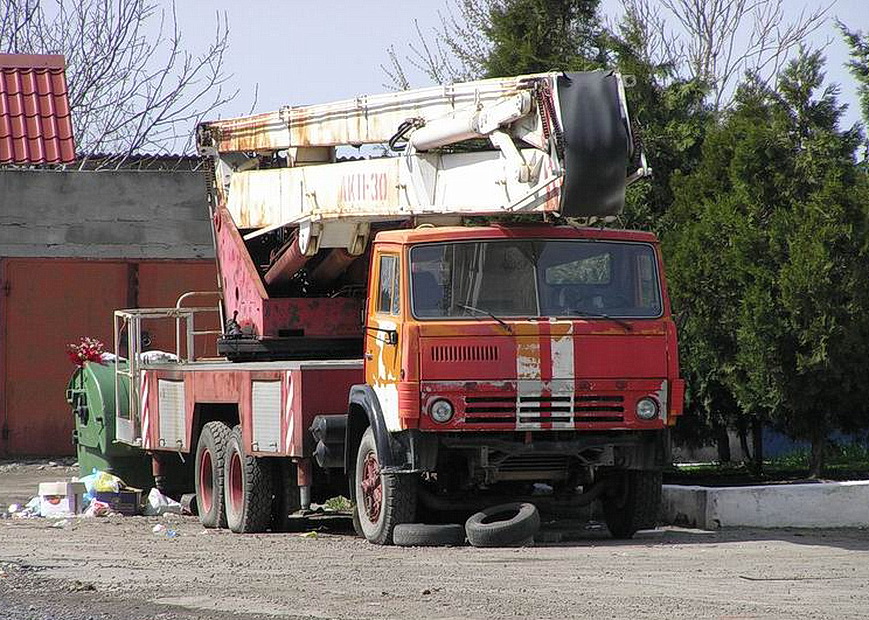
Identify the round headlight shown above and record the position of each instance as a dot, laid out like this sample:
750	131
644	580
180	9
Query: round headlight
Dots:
647	409
441	411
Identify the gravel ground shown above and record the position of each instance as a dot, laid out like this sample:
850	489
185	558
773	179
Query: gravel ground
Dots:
117	568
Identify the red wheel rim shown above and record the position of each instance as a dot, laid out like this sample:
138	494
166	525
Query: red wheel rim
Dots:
235	485
206	481
372	492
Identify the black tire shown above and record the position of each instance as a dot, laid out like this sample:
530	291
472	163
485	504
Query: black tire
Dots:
248	484
209	470
506	525
634	502
382	500
426	535
286	500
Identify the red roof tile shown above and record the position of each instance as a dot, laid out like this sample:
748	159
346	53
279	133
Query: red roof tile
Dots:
35	123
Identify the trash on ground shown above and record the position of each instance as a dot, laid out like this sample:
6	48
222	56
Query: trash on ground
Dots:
311	534
97	509
81	586
159	504
60	524
102	481
61	498
126	501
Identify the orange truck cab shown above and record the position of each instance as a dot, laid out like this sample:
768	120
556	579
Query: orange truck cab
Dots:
498	357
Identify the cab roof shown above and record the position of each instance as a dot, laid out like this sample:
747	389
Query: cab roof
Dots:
501	231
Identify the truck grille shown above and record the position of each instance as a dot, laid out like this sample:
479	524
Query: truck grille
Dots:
542	409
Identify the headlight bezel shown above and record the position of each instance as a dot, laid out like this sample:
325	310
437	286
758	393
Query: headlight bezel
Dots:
648	409
436	406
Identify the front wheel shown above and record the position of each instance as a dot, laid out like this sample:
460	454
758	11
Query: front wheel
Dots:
382	500
633	503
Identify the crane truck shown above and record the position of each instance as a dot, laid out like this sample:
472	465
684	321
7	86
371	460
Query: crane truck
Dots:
412	314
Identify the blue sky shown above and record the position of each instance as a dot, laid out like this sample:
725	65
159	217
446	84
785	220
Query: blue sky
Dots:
297	52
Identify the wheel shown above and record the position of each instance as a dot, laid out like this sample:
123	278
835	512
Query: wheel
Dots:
382	500
286	500
425	535
248	488
507	525
210	453
634	502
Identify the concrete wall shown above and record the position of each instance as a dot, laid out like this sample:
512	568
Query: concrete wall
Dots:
828	504
111	214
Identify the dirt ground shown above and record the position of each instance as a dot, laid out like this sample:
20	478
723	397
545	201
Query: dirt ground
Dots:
118	568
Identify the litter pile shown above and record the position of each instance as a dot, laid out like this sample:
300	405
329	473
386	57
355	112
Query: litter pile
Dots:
99	494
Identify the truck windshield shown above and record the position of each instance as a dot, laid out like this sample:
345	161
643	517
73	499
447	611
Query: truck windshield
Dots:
560	278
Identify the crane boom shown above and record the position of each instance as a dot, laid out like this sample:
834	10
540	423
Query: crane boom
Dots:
559	144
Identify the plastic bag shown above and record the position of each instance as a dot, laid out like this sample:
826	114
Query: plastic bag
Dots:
97	509
159	504
101	481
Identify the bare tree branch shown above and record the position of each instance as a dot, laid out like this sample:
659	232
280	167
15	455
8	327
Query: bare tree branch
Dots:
452	52
724	39
133	84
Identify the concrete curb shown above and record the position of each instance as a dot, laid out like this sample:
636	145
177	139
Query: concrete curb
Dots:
819	505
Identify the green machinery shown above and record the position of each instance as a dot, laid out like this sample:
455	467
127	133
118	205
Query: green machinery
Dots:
91	394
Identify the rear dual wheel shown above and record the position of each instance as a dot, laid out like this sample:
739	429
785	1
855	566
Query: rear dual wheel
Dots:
209	473
248	488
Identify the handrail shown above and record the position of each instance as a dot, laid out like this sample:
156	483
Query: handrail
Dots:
129	427
191	330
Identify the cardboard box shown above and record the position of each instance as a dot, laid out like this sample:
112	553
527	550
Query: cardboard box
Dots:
126	502
60	499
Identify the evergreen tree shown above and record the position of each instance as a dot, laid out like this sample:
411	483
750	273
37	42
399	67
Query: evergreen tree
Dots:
767	255
535	36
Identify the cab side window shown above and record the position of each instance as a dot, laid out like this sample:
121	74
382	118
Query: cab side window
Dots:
388	296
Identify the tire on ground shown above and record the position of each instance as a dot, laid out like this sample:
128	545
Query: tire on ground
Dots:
382	500
248	483
426	535
505	525
634	503
209	473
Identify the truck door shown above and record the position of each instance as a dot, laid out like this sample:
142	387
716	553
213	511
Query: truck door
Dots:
383	334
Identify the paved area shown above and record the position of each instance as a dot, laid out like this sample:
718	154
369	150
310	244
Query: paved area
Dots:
118	568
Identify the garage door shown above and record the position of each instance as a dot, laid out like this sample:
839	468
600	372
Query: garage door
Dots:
46	304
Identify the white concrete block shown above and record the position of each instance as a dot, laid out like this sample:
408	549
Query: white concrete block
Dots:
827	504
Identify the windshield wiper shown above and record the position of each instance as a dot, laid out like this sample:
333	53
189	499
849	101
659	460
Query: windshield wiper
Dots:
601	315
489	314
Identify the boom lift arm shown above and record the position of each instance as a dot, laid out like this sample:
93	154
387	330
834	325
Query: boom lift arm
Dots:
561	144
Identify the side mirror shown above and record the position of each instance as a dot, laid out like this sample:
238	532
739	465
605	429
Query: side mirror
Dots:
392	337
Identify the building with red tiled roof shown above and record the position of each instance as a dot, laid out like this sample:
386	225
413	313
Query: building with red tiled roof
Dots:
35	122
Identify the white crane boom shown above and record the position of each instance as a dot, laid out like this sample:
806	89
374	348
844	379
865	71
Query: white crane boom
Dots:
560	143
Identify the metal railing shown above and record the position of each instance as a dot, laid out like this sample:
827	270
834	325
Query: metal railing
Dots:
130	321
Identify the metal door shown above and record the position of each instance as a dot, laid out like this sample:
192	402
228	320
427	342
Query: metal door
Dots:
45	305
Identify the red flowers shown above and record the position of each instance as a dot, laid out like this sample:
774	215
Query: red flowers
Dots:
87	350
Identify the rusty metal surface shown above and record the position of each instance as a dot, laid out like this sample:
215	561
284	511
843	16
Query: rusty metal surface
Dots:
363	120
35	121
313	317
